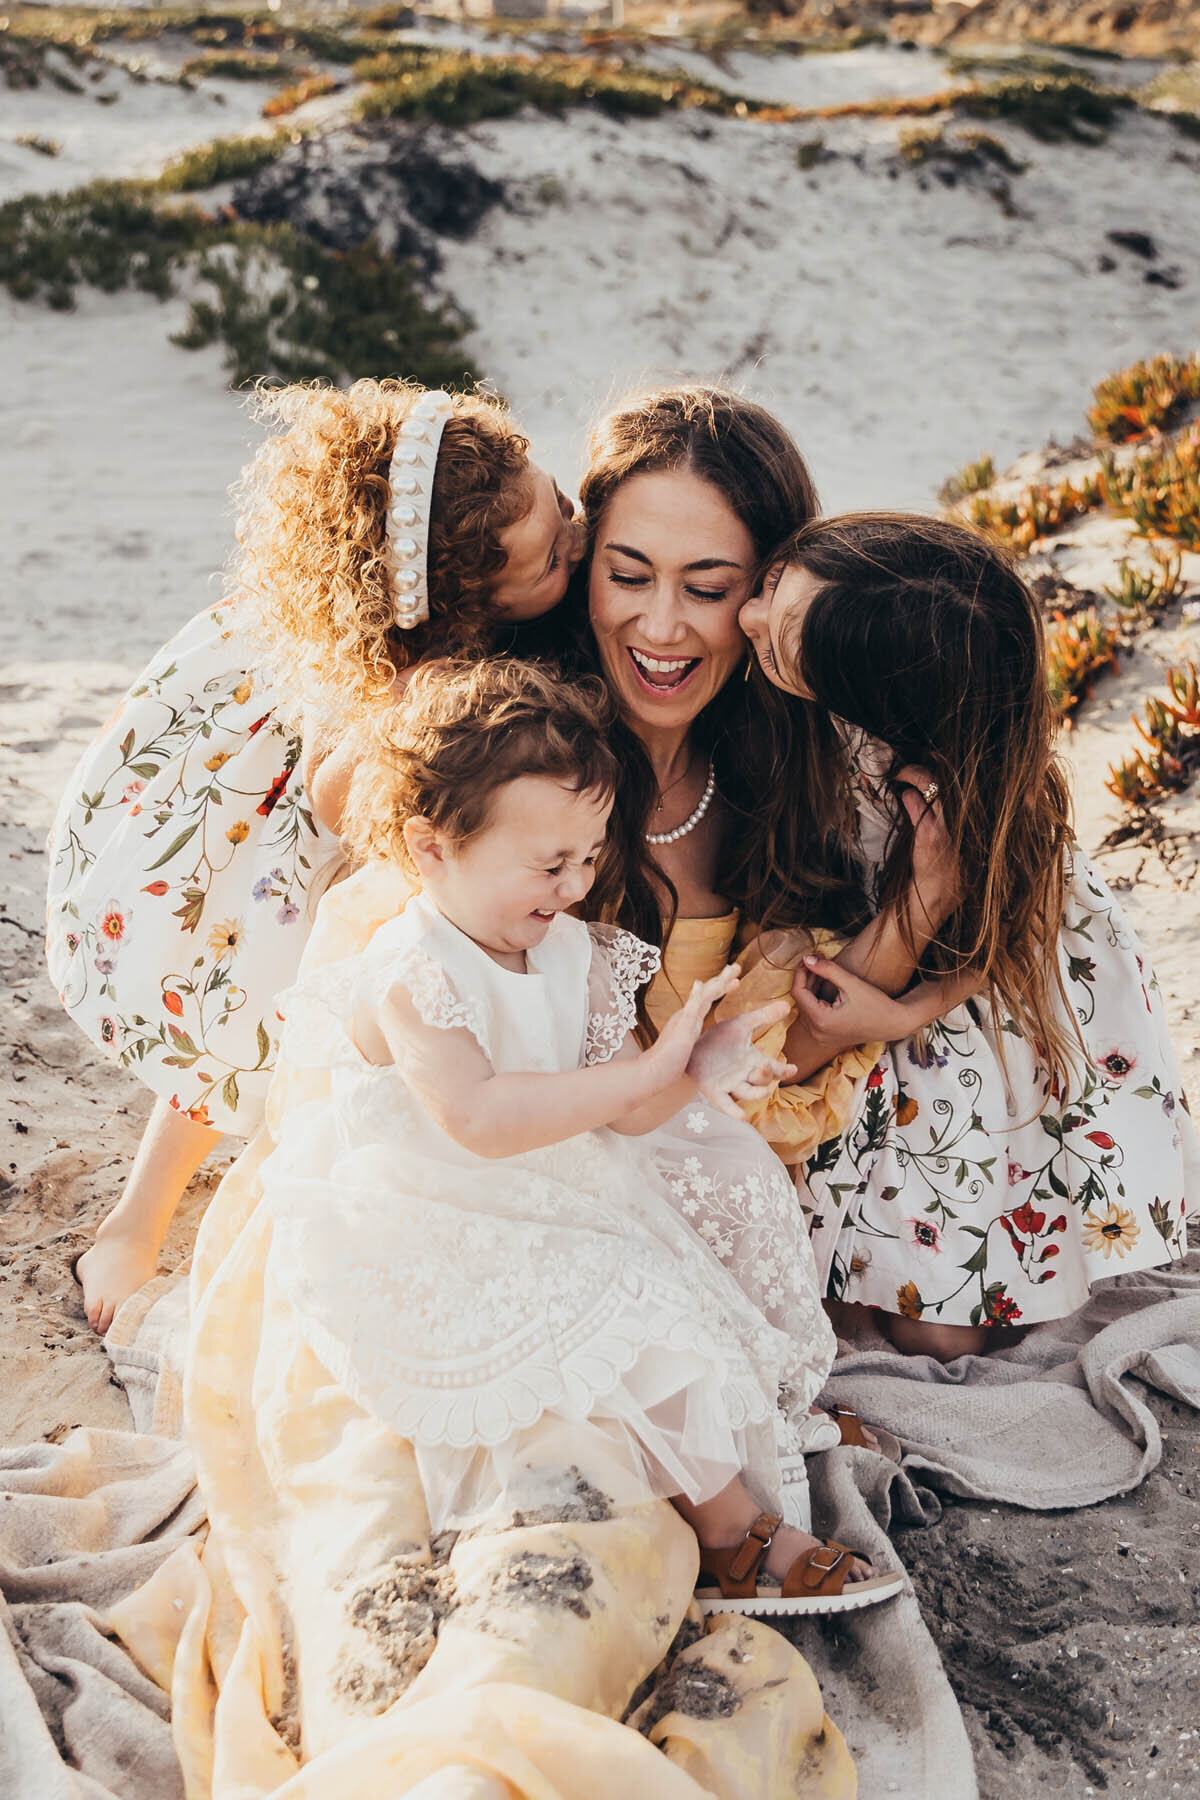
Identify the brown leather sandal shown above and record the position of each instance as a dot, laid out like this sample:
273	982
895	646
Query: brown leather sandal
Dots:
852	1430
817	1581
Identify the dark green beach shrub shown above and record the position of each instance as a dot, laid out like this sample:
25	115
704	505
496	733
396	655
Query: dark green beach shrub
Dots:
1051	109
283	304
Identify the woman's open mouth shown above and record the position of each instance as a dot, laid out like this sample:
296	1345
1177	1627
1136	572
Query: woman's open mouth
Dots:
662	674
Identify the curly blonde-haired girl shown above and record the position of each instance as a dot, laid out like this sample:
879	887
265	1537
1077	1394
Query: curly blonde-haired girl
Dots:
378	527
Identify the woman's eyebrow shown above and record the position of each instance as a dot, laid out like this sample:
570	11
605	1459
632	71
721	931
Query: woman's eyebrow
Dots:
705	562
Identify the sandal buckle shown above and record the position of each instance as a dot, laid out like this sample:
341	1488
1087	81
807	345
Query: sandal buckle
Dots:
754	1546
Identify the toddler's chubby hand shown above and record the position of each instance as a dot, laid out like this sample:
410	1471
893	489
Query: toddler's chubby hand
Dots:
667	1058
727	1066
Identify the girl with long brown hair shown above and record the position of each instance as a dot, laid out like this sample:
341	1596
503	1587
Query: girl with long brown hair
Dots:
1035	1136
378	527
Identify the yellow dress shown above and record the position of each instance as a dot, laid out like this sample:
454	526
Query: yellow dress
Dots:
302	1648
794	1119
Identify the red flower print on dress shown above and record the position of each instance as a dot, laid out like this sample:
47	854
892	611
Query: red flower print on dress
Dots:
275	793
113	924
1000	1308
108	1030
874	1079
131	792
157	888
173	1004
1105	1139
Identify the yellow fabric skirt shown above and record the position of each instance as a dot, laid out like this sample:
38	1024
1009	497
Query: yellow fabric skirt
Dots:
321	1646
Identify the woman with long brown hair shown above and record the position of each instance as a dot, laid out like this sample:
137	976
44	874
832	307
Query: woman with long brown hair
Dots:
1035	1137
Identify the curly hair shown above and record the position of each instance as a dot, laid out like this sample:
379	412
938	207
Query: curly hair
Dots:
309	576
466	730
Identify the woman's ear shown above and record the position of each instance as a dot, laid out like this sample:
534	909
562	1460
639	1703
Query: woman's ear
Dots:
425	844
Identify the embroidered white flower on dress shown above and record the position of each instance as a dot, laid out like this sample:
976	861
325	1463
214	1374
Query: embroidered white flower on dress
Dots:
697	1121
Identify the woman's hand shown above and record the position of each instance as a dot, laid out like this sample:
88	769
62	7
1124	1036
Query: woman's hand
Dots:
727	1066
936	890
840	1008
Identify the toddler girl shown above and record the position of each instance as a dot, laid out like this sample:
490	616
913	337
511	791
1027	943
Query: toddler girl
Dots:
1035	1137
380	526
468	1228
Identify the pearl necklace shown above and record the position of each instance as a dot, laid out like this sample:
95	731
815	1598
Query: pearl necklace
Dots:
693	819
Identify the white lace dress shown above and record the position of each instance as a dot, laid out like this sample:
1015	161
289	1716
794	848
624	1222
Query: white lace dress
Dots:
460	1299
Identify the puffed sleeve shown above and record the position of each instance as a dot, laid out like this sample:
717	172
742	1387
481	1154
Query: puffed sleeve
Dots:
795	1117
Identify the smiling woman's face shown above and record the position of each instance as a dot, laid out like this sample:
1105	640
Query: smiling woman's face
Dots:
671	568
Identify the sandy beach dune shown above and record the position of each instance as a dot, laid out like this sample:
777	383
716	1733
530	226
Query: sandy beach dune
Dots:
901	323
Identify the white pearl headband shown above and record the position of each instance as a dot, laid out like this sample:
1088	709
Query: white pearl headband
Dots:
406	550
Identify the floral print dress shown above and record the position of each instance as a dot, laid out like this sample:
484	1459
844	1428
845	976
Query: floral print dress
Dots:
184	864
971	1188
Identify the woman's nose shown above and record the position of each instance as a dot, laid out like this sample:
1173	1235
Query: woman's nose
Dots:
662	621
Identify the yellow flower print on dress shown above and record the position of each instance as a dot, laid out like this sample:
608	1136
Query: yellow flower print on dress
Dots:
908	1301
243	691
1116	1233
217	760
238	832
223	939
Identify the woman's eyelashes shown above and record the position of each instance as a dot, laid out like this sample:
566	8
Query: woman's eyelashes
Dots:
704	595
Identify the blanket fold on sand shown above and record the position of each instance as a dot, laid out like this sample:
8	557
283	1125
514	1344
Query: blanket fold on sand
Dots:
104	1519
1059	1419
318	1644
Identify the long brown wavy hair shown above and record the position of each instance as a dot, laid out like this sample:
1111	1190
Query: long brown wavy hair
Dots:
923	635
785	847
309	575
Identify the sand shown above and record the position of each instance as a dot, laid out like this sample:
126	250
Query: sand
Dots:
900	327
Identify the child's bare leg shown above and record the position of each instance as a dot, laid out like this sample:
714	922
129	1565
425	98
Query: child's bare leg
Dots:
125	1253
726	1518
918	1337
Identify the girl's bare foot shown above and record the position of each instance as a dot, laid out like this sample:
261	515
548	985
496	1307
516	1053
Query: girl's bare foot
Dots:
125	1254
117	1265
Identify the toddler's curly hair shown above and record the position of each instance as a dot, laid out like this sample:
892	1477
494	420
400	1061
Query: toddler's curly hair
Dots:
464	731
309	574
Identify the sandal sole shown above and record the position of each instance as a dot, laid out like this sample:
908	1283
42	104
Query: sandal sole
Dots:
771	1606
